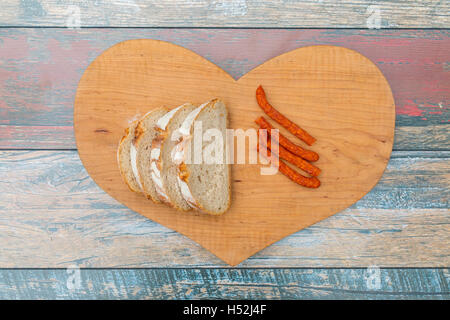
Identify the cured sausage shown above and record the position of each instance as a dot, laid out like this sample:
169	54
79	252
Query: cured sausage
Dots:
278	117
297	161
308	182
286	143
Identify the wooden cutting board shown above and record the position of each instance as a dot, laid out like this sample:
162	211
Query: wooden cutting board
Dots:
336	94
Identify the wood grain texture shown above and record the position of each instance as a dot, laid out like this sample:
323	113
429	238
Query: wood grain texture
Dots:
37	137
40	69
182	284
54	215
336	94
224	13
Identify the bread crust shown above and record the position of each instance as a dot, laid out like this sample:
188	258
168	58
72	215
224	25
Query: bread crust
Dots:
157	165
138	139
158	143
120	152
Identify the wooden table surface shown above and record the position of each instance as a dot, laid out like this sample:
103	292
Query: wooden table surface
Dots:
393	243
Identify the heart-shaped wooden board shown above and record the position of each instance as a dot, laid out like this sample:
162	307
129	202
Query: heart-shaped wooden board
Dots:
336	94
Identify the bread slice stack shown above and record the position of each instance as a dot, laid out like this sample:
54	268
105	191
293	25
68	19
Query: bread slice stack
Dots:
165	157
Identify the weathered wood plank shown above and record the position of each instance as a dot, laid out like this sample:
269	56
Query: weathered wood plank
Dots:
37	137
54	215
225	13
431	137
181	284
40	70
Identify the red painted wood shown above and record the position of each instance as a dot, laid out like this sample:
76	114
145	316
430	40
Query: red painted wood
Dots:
40	69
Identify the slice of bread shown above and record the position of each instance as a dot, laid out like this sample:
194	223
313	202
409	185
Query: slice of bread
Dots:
206	185
157	166
145	132
169	172
127	169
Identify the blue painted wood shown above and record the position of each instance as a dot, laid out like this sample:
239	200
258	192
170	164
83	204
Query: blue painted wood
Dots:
206	283
226	13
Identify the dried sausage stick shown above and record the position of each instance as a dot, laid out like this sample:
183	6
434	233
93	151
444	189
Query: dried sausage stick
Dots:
294	175
285	142
278	117
297	161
